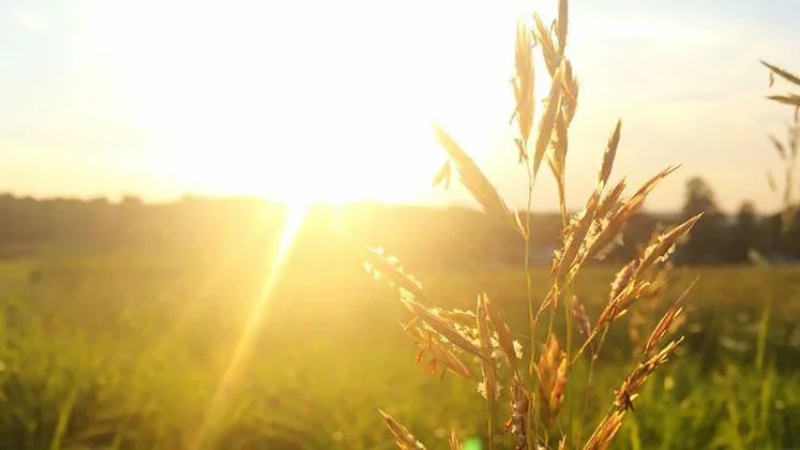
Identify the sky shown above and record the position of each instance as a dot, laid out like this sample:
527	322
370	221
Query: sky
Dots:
332	101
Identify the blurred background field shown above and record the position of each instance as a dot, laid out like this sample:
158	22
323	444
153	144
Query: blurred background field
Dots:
126	347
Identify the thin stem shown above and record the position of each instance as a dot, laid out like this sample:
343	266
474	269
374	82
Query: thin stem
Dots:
490	439
529	283
586	399
587	342
566	300
568	313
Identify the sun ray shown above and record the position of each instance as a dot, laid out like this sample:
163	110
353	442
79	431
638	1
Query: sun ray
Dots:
294	220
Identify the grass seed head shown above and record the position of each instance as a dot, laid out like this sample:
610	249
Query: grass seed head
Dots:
523	84
574	239
504	337
487	363
474	180
484	334
786	75
439	354
544	37
382	266
665	324
552	373
664	244
548	121
403	438
633	384
609	156
622	279
442	327
611	202
581	318
606	431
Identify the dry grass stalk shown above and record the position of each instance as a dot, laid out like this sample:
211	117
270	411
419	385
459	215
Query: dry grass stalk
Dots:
489	386
444	328
610	202
488	366
787	152
664	245
404	439
588	236
786	75
455	443
427	342
458	339
506	341
615	221
475	181
609	156
518	424
548	122
575	236
624	396
524	88
457	316
552	56
643	317
605	433
668	322
557	160
629	285
551	372
581	318
563	25
633	384
379	266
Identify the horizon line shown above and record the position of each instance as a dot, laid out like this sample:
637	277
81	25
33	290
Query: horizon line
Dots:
161	201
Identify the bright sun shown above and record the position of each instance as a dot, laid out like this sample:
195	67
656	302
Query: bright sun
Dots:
306	101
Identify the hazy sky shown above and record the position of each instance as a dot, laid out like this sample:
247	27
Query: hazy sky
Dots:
333	99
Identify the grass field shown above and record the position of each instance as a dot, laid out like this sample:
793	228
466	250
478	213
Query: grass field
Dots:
130	352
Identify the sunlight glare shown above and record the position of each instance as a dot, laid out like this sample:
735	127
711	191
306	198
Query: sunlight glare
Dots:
295	217
244	100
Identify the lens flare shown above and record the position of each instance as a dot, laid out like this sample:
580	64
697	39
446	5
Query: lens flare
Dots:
258	315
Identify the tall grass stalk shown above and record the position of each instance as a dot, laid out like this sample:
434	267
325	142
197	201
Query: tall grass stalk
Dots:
479	345
788	150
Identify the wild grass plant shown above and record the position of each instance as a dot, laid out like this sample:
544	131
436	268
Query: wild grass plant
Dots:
530	386
787	150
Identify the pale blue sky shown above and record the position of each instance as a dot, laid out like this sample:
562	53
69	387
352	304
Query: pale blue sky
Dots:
163	98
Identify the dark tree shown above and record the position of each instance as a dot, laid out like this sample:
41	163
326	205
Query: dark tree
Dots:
705	244
744	235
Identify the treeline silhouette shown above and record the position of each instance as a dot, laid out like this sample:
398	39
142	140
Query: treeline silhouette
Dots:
419	236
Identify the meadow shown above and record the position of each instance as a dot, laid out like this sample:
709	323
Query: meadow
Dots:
182	326
130	351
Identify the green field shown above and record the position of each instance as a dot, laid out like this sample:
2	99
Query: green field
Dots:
130	352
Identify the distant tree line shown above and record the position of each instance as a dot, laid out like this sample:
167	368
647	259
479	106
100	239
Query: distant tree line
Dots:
417	235
721	239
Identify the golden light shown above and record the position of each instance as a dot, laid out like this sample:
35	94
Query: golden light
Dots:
262	99
258	315
307	102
